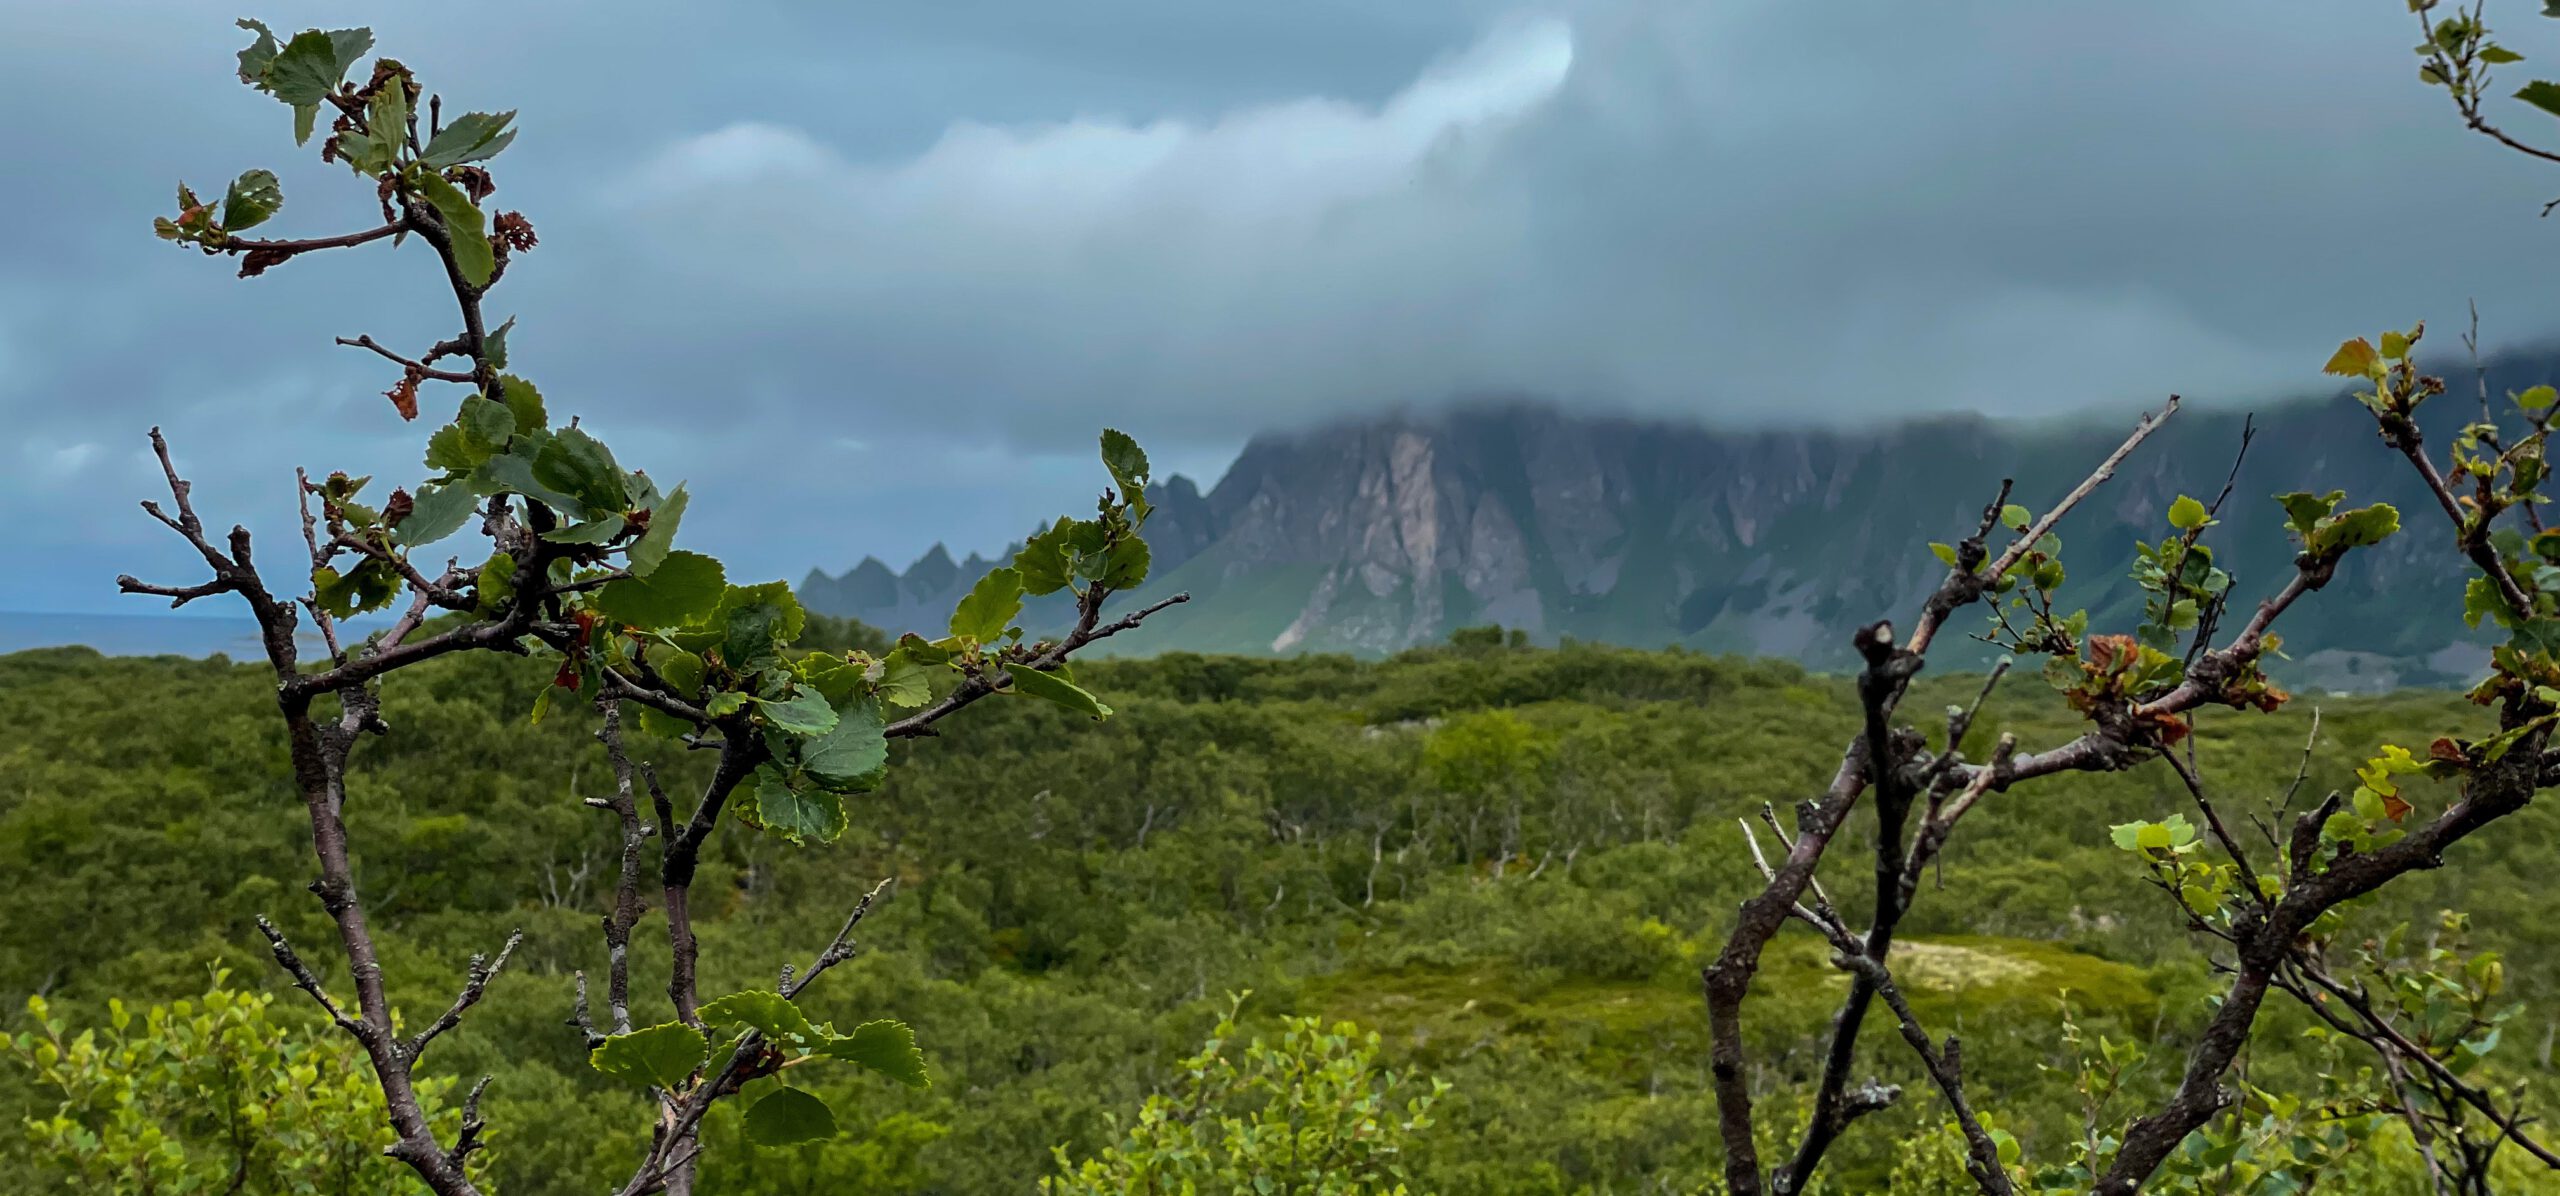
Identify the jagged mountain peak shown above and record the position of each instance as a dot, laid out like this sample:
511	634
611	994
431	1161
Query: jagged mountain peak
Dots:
1373	536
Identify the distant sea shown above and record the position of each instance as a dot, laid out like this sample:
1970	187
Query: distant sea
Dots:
132	635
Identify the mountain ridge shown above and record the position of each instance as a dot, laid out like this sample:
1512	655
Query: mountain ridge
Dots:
1373	536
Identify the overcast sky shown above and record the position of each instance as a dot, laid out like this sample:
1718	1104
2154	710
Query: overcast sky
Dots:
873	275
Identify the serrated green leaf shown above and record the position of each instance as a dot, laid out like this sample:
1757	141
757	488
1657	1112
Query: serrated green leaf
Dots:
524	402
989	607
599	530
1126	461
1044	560
2354	359
803	714
255	59
661	1055
685	588
1031	682
470	137
904	680
436	511
494	347
2304	510
2359	528
754	622
467	229
887	1047
653	545
768	1013
788	1116
1124	565
253	197
800	815
513	471
850	757
313	64
496	583
2541	94
387	116
681	670
577	464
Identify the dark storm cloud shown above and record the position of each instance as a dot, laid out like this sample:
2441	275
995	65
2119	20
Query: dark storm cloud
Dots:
872	275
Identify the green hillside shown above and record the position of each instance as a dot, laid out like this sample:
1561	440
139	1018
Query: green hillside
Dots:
1506	861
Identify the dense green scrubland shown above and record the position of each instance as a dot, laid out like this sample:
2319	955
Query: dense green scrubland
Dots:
1508	862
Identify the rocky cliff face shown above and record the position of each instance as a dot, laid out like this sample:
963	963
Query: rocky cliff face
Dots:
1374	537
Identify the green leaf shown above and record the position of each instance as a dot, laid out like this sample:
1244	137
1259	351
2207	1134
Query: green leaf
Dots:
495	346
2016	517
469	137
468	230
2499	55
680	669
1031	682
255	60
851	757
1126	461
754	622
904	680
2537	398
685	588
524	402
802	816
387	116
661	1055
2359	528
513	471
2541	94
804	714
253	197
313	64
2304	511
2187	514
497	582
990	606
438	511
580	465
599	530
653	544
305	118
788	1116
2395	345
480	430
1044	562
1124	566
768	1013
2127	835
369	586
1945	553
2354	359
887	1047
